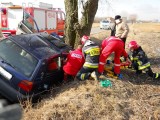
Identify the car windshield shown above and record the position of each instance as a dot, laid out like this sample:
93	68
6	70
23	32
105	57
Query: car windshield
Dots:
105	21
17	57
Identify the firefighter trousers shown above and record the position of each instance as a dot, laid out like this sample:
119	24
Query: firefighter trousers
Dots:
85	73
148	71
115	46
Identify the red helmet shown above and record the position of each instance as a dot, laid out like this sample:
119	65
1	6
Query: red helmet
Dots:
133	44
3	10
84	39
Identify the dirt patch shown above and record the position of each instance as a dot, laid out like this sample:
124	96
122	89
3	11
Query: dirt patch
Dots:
132	98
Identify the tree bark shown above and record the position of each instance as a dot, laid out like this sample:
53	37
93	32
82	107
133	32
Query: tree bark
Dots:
71	8
73	29
90	9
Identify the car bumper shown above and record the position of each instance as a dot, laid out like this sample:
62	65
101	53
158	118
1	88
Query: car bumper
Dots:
9	92
105	27
13	95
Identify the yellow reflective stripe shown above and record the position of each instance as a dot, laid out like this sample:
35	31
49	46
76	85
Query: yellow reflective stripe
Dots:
144	66
135	58
93	51
139	62
91	66
157	75
90	48
82	76
87	51
122	58
131	58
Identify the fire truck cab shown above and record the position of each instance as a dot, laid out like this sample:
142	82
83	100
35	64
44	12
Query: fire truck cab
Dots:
19	20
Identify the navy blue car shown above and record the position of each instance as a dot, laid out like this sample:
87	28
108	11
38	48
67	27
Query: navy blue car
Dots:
30	64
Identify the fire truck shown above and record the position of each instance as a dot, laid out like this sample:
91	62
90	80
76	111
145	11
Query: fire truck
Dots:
19	19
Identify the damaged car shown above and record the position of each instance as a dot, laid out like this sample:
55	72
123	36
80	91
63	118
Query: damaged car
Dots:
30	64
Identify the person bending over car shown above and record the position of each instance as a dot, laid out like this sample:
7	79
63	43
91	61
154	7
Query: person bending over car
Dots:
74	62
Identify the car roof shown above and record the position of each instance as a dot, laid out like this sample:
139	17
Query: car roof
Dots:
40	45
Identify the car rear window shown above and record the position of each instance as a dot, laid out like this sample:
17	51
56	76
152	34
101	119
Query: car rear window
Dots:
21	60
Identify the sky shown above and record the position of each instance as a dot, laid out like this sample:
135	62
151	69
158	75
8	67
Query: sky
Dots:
144	9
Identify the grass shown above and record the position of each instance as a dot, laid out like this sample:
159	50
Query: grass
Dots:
95	25
132	98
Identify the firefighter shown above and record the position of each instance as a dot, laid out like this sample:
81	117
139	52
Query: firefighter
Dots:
140	60
109	45
91	52
74	62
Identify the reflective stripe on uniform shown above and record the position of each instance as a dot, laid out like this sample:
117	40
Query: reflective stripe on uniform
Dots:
135	58
131	58
91	65
144	66
139	63
102	63
91	48
93	51
117	64
82	76
157	75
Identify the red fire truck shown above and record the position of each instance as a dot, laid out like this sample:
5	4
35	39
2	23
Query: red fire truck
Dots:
36	19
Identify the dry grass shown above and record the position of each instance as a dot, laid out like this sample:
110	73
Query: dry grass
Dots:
147	27
95	25
133	98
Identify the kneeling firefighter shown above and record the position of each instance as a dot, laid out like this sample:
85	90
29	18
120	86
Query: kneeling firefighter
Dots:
91	52
140	60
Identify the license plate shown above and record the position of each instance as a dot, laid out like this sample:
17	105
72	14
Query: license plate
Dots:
5	74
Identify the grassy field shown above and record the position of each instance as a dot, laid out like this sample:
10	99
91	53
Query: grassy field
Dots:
95	25
132	98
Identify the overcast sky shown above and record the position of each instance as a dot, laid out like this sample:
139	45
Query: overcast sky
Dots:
144	9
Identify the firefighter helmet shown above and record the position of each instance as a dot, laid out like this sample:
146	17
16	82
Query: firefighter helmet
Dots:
84	39
3	10
133	45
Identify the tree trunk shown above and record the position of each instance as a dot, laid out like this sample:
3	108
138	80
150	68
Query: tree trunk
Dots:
71	8
73	29
90	9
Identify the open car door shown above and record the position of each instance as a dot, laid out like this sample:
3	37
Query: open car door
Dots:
25	26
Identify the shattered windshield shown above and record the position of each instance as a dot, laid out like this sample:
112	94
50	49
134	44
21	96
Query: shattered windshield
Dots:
14	55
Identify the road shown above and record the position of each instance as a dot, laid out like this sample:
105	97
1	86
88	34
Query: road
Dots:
96	30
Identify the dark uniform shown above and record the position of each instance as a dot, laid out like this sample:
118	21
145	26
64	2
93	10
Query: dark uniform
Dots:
140	63
113	29
91	52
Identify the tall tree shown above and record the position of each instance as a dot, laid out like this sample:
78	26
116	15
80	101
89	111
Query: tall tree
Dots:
74	29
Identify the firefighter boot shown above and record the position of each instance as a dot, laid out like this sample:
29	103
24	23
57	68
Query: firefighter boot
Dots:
94	75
